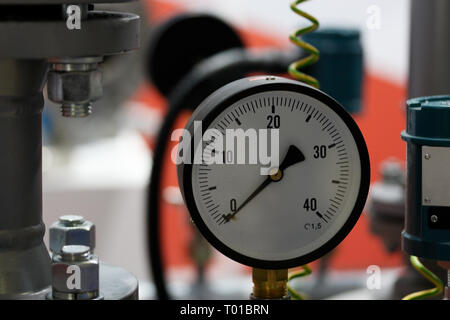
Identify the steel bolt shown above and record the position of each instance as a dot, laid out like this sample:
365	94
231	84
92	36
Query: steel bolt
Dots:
75	83
427	156
71	230
434	218
75	274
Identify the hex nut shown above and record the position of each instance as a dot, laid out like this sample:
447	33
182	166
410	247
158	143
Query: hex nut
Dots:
65	272
62	233
74	86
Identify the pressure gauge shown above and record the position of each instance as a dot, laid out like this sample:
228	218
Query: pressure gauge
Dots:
281	213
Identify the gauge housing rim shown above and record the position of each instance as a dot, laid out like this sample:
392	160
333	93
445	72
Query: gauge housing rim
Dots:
213	106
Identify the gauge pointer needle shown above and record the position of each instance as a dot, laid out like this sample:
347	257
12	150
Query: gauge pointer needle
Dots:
293	156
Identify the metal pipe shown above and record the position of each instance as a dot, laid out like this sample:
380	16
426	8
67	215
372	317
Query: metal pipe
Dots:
25	262
429	48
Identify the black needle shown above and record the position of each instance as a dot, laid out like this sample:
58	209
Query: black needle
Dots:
293	156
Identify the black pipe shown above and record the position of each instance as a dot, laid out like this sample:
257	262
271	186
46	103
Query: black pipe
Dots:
204	79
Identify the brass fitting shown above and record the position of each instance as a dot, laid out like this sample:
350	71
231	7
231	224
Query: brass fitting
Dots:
270	284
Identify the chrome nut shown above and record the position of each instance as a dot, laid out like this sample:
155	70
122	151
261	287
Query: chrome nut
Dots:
71	230
75	274
74	86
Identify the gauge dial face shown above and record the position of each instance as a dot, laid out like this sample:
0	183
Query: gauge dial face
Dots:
295	214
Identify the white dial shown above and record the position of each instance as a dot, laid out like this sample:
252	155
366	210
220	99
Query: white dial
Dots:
296	213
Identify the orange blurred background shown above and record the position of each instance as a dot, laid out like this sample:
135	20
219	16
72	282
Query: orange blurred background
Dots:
381	121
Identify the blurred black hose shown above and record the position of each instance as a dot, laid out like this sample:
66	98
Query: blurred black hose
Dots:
204	79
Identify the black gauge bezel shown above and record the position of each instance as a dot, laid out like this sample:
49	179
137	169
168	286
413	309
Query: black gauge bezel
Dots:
214	105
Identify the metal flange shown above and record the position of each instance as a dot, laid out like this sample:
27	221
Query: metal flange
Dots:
102	33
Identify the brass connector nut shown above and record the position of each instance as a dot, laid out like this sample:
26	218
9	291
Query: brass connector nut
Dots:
270	284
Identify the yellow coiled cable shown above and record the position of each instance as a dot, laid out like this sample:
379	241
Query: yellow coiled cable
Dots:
439	287
294	71
306	270
294	68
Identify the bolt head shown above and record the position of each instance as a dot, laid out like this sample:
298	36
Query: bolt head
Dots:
71	230
71	220
427	156
434	218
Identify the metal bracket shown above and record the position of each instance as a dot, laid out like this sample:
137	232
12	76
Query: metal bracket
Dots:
435	176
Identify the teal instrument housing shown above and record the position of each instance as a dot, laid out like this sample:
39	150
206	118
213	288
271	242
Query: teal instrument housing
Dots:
340	66
427	220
